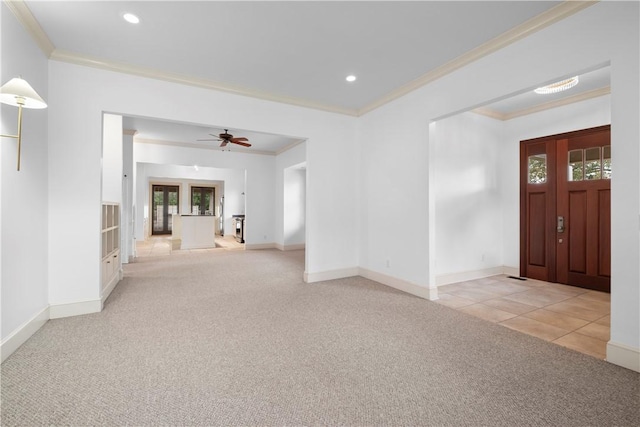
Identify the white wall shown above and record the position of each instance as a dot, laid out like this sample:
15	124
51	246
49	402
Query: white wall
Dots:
24	242
295	156
295	182
112	158
78	96
127	246
586	114
468	206
230	183
395	150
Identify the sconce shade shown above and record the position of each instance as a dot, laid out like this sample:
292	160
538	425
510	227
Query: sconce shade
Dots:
17	88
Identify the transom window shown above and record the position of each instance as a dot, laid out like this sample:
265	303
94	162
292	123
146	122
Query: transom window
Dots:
590	164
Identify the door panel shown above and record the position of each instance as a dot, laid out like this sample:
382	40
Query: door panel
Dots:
574	198
537	229
537	207
577	225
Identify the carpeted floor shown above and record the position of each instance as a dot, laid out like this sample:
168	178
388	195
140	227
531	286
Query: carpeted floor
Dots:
236	338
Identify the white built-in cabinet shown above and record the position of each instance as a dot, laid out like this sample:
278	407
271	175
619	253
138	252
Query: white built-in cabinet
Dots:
110	245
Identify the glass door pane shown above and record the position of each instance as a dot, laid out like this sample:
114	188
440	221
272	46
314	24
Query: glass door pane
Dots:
165	204
158	209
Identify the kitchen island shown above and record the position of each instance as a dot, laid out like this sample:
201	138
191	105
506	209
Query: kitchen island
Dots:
194	231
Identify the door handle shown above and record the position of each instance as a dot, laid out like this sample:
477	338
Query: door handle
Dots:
560	224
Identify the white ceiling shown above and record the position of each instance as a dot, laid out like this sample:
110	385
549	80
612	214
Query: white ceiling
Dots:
175	133
298	51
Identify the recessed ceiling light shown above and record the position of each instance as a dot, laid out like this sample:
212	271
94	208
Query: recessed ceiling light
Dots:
558	86
131	18
351	78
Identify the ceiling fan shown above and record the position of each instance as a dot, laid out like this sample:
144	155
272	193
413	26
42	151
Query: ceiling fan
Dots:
226	138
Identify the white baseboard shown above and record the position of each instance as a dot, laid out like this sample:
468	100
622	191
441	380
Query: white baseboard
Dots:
330	275
110	286
251	246
445	279
57	311
23	333
402	285
290	247
623	355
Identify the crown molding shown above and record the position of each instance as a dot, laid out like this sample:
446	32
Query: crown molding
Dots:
131	132
28	21
290	146
595	93
551	16
104	64
203	147
533	25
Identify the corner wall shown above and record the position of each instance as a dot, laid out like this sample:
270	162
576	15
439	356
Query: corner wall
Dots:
467	201
24	203
397	156
78	97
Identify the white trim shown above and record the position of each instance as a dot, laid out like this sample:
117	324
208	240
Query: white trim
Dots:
201	146
543	107
120	67
290	247
623	355
533	25
289	147
22	333
254	246
445	279
29	22
115	279
321	276
78	308
402	285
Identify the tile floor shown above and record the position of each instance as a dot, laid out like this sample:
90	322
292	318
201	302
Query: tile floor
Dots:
565	315
161	245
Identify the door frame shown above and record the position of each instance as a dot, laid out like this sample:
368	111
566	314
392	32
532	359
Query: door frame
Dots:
550	235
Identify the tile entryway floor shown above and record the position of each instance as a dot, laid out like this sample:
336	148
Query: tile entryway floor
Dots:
161	245
565	315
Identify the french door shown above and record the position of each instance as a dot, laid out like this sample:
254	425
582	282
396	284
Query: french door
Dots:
164	205
565	208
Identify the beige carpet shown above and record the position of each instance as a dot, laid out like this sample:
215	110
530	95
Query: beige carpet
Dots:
236	338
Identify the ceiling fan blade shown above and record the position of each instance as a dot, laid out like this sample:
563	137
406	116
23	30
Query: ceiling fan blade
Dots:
239	139
244	144
224	143
217	139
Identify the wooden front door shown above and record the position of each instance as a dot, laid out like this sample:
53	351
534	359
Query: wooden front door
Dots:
565	215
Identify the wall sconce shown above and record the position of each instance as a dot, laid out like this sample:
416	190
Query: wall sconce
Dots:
19	93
